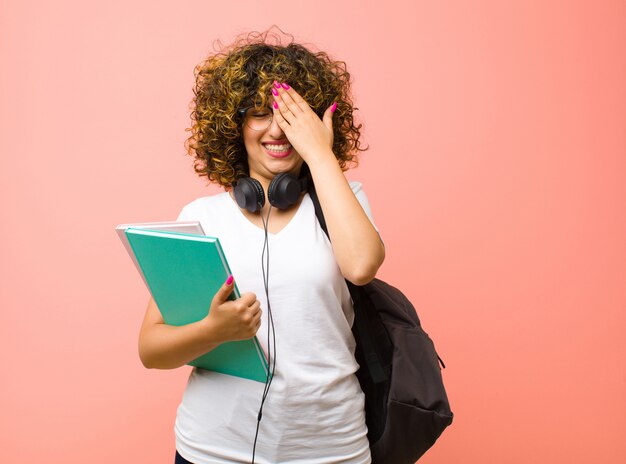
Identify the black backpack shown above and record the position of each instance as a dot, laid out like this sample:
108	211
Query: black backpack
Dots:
406	406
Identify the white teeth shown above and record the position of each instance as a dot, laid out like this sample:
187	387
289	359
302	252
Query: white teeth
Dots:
278	148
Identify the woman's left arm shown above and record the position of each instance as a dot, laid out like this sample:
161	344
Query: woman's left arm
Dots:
356	244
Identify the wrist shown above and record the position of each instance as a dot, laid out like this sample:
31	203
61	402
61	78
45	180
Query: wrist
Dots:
319	155
324	166
322	161
209	331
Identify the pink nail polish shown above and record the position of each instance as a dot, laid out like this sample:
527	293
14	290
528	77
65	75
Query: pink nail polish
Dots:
276	84
285	85
230	280
275	92
275	105
334	107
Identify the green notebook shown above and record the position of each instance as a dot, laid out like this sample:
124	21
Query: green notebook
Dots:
183	272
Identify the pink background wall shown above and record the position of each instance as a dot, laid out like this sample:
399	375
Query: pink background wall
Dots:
497	176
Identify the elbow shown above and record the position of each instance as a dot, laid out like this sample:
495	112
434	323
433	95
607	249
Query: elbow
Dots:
362	276
360	280
152	363
364	273
147	365
145	361
144	356
152	360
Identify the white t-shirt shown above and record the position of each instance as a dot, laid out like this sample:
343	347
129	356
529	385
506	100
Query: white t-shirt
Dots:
314	410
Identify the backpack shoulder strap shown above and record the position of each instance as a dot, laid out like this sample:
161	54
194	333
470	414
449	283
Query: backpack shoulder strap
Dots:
360	299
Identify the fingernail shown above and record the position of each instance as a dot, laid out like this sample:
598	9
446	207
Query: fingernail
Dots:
334	107
275	105
276	84
230	280
275	92
285	85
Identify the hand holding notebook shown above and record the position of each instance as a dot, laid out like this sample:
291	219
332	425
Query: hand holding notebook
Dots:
234	320
185	274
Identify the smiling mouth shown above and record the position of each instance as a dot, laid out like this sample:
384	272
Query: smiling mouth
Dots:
278	151
282	148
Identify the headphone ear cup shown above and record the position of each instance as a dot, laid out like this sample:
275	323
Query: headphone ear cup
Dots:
249	194
284	190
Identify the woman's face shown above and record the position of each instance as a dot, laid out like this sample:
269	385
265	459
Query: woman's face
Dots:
269	150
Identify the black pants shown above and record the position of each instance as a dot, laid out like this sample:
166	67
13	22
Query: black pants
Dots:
181	460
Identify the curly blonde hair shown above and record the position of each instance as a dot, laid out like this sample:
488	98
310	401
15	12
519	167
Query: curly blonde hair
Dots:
242	75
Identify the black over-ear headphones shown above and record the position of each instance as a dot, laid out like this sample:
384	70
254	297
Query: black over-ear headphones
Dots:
284	191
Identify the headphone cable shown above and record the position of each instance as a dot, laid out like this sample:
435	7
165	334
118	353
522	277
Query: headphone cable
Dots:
271	342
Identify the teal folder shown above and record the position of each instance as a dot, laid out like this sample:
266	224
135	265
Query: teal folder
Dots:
183	273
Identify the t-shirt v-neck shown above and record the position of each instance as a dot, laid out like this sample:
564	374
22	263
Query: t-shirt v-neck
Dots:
304	204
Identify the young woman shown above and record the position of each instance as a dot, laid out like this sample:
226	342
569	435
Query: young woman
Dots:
262	110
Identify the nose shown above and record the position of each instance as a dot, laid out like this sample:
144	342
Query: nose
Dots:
274	130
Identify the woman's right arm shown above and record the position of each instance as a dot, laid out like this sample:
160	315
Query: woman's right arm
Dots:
164	346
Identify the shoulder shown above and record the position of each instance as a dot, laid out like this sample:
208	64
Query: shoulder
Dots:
356	186
204	205
357	189
209	201
359	193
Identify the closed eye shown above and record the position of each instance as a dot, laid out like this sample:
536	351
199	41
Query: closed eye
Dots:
259	112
